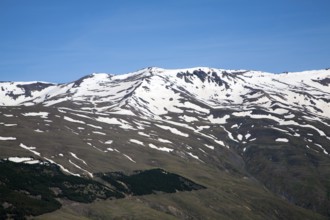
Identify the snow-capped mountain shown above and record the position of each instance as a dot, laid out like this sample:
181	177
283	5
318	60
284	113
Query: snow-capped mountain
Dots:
249	128
155	89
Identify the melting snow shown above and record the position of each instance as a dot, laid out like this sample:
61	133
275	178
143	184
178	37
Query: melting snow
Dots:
89	173
324	151
196	107
40	114
10	125
282	140
94	126
188	118
73	120
128	157
194	156
164	141
31	149
289	116
160	148
19	159
97	132
143	134
222	120
114	121
209	146
173	130
75	156
200	128
7	138
136	142
62	168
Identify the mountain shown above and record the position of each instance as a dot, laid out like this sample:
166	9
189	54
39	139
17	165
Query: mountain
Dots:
252	145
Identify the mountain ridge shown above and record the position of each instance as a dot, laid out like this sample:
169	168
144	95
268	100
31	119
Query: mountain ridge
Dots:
268	133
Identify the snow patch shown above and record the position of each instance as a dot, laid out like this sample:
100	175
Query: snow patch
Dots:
173	130
160	148
33	114
209	146
136	142
73	120
128	157
282	140
7	138
222	120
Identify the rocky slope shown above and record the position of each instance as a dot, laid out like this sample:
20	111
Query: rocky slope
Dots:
259	142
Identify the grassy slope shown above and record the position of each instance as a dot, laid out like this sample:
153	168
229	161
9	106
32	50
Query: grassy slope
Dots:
225	198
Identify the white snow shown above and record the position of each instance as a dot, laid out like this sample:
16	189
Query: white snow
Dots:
75	156
108	142
128	157
7	138
33	162
62	167
89	173
222	120
196	107
247	136
73	120
200	128
324	150
31	149
114	121
160	148
94	126
33	114
143	134
10	125
97	132
19	159
173	130
282	140
209	146
289	116
136	142
164	141
193	156
188	118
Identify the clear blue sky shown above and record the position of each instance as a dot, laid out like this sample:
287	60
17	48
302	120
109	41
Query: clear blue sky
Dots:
62	40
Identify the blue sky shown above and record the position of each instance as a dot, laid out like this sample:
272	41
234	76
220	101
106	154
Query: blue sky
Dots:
63	40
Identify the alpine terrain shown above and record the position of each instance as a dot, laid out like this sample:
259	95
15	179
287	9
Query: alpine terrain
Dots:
197	143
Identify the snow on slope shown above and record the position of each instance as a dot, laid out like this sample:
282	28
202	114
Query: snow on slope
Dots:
156	91
202	108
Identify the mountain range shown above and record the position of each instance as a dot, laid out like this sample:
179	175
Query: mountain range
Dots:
229	144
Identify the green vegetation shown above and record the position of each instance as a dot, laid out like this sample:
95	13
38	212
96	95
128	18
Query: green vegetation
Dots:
33	189
150	181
